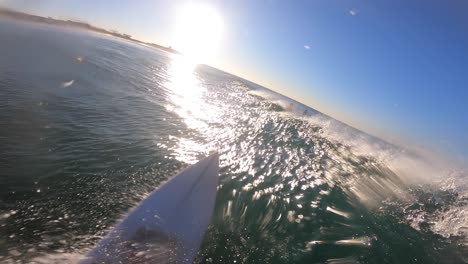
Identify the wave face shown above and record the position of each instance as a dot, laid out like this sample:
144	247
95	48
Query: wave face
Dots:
84	140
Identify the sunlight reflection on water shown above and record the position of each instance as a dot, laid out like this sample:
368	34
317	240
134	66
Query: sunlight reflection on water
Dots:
185	91
186	95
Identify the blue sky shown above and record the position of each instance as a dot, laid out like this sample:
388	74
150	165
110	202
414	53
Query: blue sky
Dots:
396	69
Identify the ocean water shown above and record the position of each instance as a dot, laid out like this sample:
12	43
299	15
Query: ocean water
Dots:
90	125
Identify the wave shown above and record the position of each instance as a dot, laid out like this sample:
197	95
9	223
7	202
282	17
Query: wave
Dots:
410	173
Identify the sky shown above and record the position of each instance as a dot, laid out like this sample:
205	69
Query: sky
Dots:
395	69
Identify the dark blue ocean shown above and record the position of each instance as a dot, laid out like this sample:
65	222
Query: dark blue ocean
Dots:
91	124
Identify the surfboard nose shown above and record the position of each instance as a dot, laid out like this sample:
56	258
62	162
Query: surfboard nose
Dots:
170	222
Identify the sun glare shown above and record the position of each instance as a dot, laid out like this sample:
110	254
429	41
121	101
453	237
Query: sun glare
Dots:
198	32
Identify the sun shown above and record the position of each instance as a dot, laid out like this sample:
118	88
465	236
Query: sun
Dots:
198	32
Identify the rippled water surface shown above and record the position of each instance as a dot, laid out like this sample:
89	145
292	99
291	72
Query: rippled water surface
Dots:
91	124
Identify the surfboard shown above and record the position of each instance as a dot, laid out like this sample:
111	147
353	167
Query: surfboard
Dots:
169	225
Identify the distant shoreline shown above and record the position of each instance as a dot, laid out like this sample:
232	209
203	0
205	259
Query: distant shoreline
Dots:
4	12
